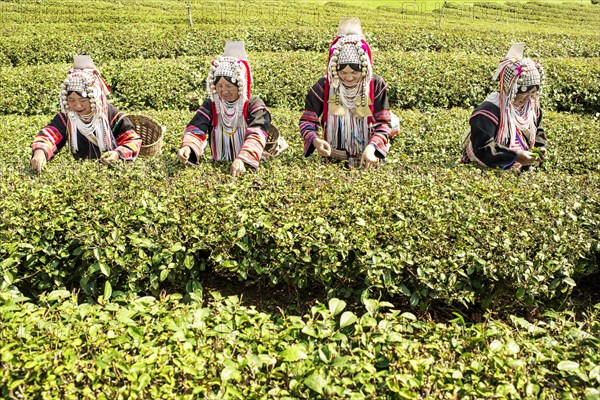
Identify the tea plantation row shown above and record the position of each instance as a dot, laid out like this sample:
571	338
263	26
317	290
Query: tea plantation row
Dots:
144	40
572	15
416	80
219	348
419	227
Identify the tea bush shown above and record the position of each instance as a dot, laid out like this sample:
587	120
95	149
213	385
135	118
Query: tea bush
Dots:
114	259
416	80
220	348
424	228
151	40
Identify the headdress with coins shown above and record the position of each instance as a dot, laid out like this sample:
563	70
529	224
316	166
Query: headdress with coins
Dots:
234	65
517	74
348	111
85	79
350	47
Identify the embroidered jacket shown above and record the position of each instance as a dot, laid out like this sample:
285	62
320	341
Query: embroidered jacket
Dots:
484	126
258	120
53	137
315	116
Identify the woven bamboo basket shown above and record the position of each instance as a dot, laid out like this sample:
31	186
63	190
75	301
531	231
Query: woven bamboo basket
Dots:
151	133
273	133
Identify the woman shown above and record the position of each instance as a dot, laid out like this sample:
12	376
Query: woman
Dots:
349	103
92	127
236	122
507	126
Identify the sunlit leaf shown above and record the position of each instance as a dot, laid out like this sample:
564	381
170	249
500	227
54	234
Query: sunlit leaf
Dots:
347	318
336	306
316	382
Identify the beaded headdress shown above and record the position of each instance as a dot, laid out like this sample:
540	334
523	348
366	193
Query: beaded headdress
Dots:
84	78
350	47
517	74
234	65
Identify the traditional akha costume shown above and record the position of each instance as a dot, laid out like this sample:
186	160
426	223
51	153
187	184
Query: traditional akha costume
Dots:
351	117
236	129
499	129
104	129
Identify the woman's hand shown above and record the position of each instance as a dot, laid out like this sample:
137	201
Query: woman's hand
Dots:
38	161
183	155
323	148
368	158
109	157
525	157
237	167
543	154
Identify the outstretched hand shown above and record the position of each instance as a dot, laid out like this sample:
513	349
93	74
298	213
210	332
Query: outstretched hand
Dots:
368	158
38	161
525	157
183	155
323	148
109	157
543	154
237	167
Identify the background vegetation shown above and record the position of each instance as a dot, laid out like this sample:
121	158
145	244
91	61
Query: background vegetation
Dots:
419	279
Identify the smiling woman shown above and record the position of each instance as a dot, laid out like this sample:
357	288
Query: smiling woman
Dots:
87	122
350	103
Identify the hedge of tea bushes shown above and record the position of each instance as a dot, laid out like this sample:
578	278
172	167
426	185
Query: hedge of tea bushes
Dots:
154	40
218	347
301	13
415	79
420	227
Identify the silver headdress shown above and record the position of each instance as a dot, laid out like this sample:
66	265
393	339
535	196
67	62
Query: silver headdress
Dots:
234	65
84	78
350	47
516	73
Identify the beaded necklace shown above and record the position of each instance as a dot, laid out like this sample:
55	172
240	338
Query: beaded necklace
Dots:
228	137
90	126
348	131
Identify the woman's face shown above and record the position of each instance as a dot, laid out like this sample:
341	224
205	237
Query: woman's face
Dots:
349	76
521	98
79	104
227	91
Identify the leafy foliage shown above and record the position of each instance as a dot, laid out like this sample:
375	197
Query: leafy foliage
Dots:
425	227
160	348
416	80
420	231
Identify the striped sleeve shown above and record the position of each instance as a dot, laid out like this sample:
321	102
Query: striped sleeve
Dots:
52	137
309	121
487	114
128	141
382	119
196	130
259	120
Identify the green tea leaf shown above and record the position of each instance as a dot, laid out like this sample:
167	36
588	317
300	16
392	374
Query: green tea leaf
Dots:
347	318
336	306
316	382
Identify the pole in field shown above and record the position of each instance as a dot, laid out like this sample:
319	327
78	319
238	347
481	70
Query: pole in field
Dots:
189	8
